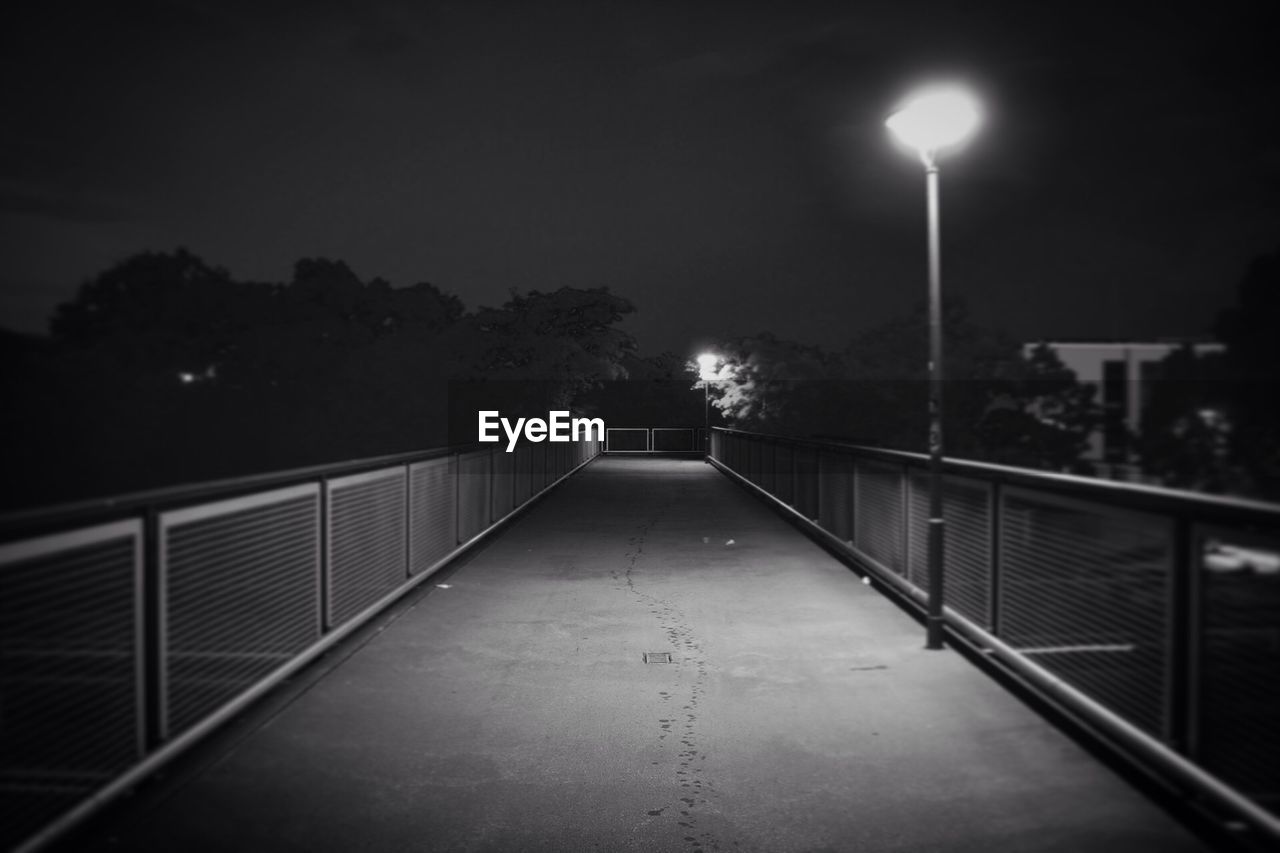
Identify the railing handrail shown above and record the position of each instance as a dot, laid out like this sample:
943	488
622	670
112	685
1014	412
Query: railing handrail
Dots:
865	504
301	574
1137	495
111	507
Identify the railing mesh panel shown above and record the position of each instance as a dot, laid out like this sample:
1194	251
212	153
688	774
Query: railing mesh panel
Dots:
625	439
783	470
432	512
68	678
675	440
1084	591
806	482
768	466
241	596
473	494
243	586
523	485
755	461
553	462
541	468
367	558
835	489
502	497
877	505
966	508
1239	737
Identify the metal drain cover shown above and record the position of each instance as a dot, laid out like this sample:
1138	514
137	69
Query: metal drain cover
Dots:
657	657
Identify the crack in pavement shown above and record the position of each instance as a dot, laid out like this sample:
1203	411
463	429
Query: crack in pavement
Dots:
696	789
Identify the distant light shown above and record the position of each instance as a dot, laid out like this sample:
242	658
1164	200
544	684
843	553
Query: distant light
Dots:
187	377
936	118
707	366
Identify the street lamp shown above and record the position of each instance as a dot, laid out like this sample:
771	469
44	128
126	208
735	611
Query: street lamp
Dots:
707	370
934	119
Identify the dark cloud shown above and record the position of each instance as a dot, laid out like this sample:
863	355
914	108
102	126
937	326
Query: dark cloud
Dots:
40	202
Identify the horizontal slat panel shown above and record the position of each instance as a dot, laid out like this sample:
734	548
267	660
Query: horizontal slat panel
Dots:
366	540
69	678
806	482
1084	588
241	596
502	488
768	467
473	494
523	474
966	509
433	512
622	440
835	485
1239	696
877	504
674	440
783	474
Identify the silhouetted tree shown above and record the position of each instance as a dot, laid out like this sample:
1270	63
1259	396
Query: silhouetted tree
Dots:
998	404
164	369
1252	361
1187	425
159	314
655	393
1038	415
769	384
543	350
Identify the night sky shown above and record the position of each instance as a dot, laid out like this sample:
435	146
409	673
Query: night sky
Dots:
724	166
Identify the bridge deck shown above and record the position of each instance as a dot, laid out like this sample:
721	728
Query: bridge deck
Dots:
513	710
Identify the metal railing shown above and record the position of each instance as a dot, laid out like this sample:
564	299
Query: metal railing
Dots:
1152	615
655	440
130	627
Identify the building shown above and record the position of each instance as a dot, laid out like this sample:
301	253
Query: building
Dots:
1122	371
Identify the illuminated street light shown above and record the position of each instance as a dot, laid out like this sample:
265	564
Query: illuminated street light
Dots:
708	369
934	119
707	365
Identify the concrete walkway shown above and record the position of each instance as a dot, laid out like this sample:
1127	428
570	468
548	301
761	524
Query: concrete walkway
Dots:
513	710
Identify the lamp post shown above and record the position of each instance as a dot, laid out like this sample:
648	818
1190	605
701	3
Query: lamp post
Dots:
707	371
935	119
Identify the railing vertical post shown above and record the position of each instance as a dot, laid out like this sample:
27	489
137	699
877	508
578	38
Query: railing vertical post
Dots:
904	527
492	477
995	495
797	482
853	499
457	498
1182	718
152	724
408	521
326	560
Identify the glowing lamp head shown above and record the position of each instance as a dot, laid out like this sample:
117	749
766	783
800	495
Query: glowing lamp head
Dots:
935	119
707	366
